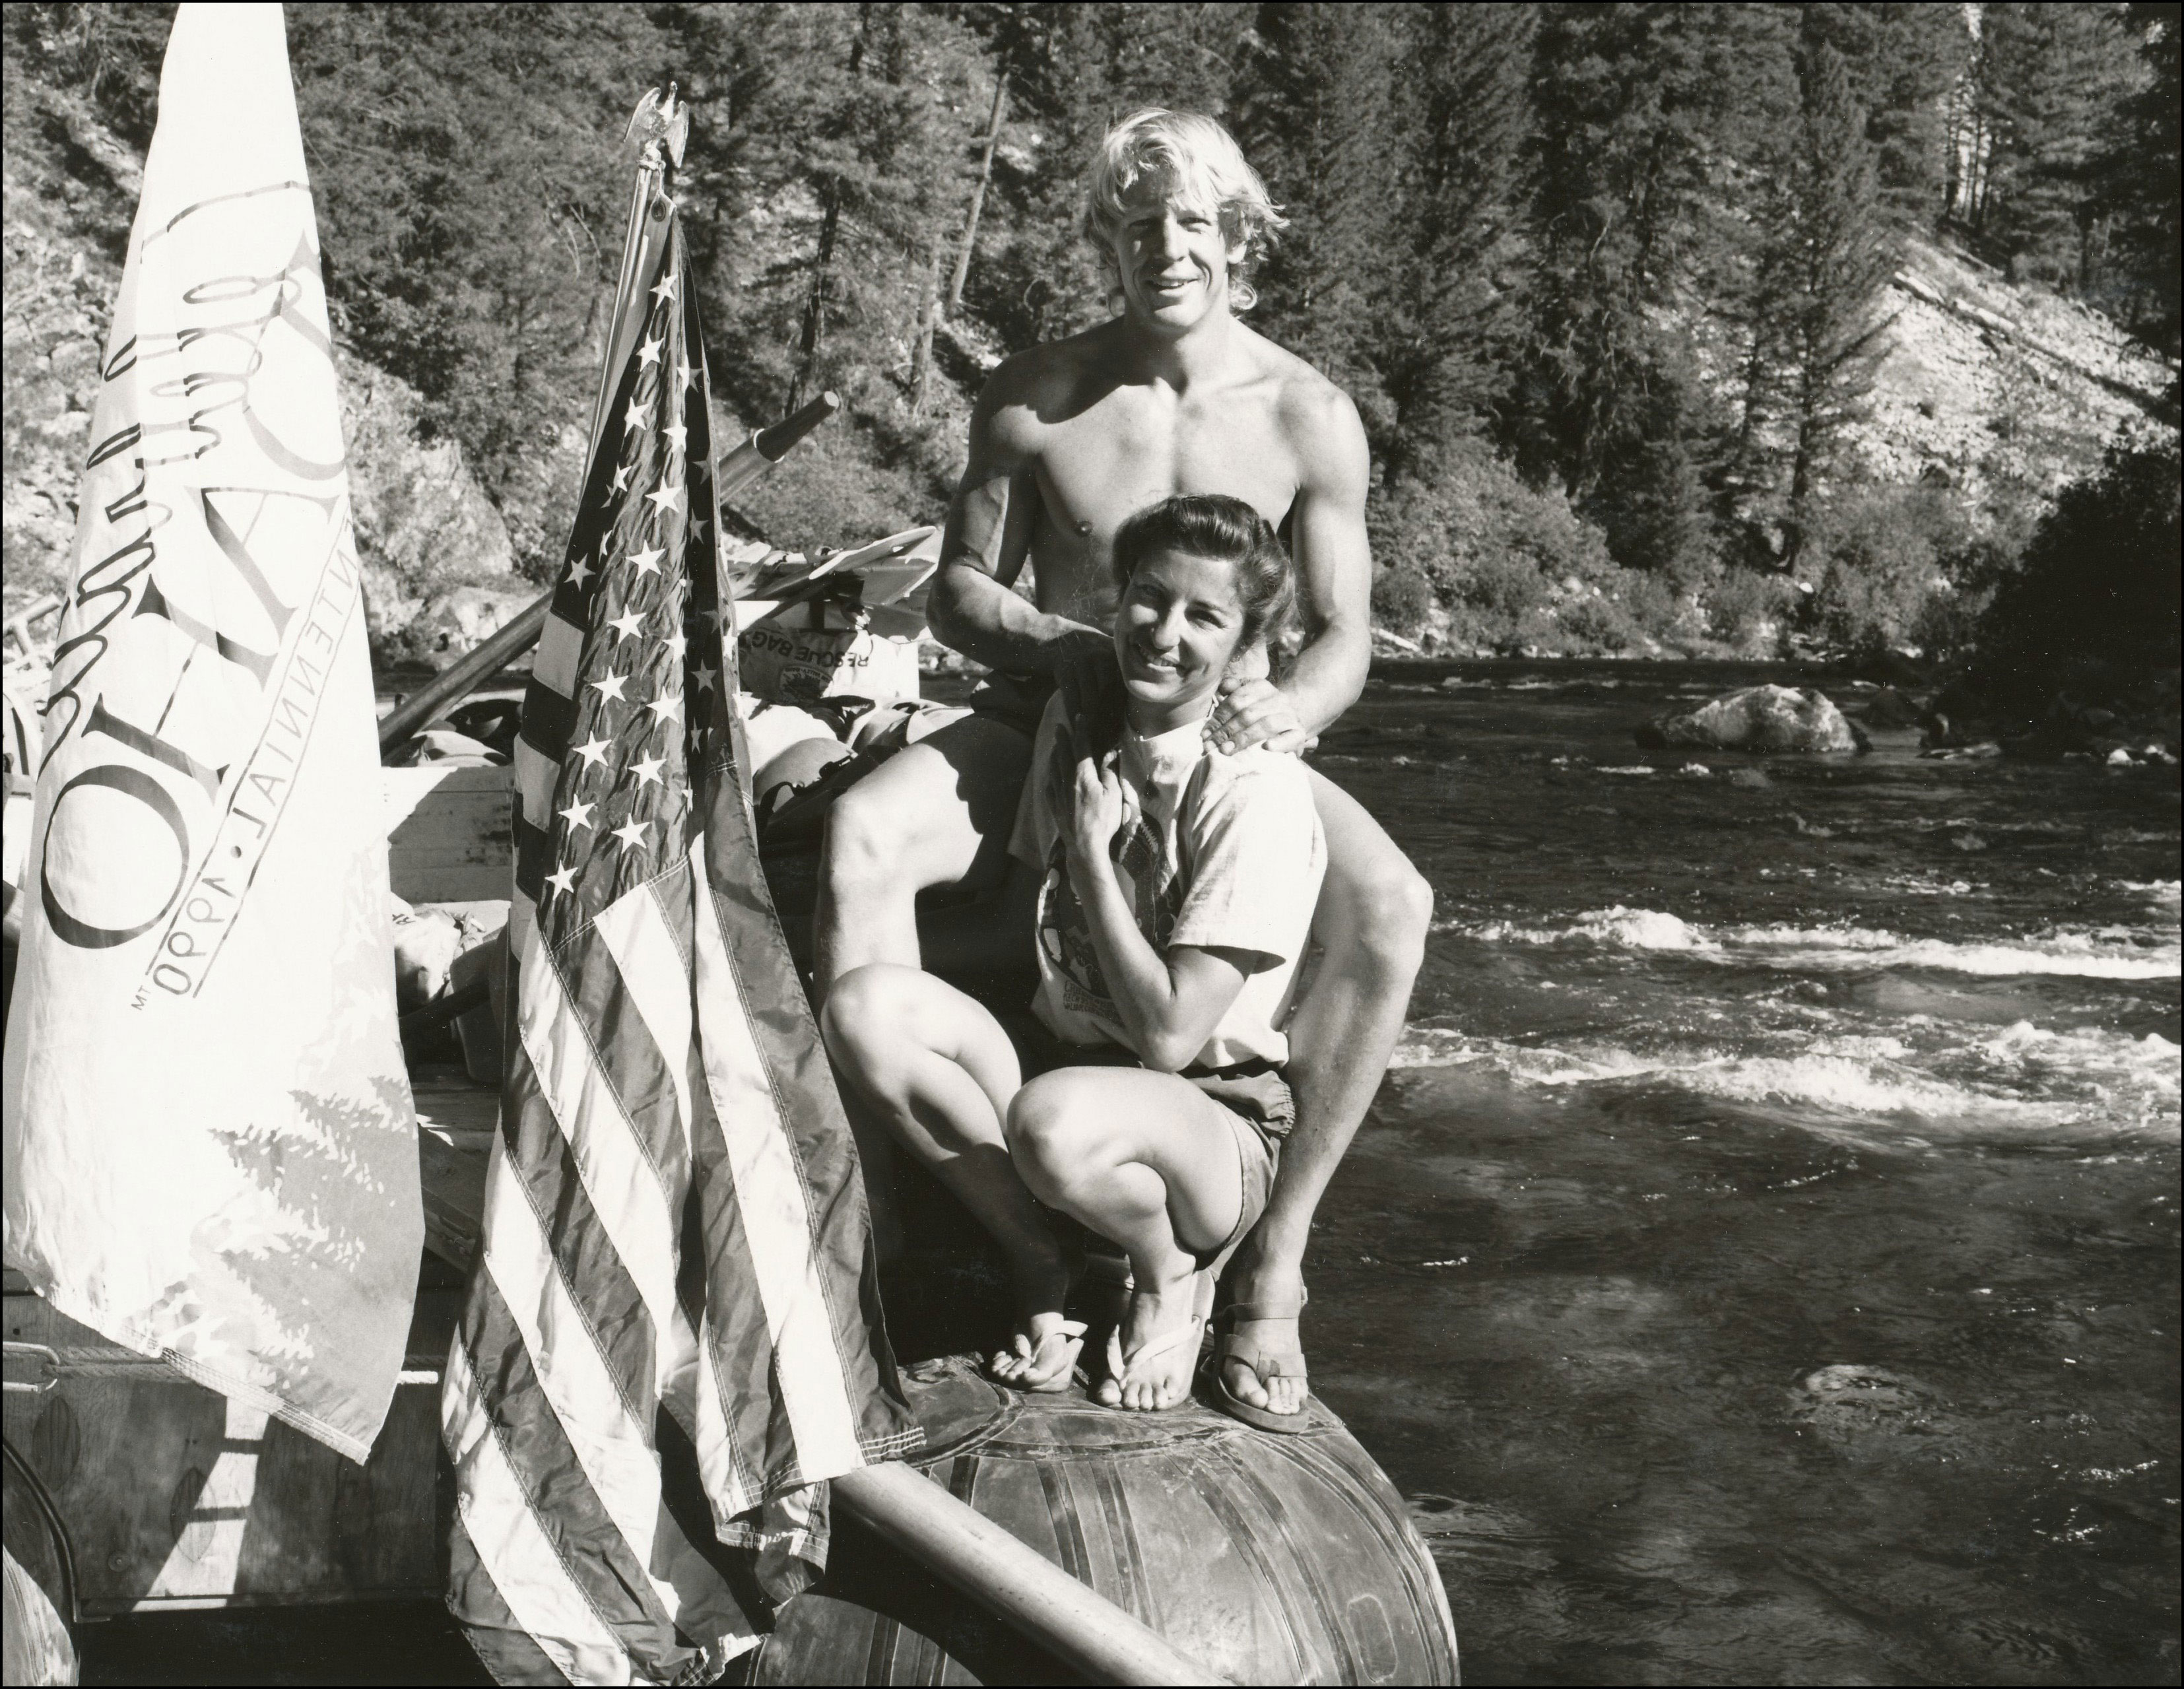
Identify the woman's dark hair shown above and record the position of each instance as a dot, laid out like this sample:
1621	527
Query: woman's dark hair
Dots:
1226	530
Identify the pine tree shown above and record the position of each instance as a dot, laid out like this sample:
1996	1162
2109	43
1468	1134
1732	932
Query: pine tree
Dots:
470	195
1903	59
1654	124
1834	256
2143	178
1455	308
2055	80
1312	112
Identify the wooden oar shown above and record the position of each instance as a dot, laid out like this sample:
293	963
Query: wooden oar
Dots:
1019	1587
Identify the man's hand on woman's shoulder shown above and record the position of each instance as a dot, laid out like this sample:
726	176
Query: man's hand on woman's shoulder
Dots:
1254	712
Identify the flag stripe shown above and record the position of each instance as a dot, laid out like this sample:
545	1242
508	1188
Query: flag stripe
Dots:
733	1484
780	1020
560	645
610	1441
655	971
583	1248
508	1652
549	719
521	1546
532	845
536	775
777	1224
641	1082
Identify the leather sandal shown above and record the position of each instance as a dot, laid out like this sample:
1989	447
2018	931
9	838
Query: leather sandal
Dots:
1267	1364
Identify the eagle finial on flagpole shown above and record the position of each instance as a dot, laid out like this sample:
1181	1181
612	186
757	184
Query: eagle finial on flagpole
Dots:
661	121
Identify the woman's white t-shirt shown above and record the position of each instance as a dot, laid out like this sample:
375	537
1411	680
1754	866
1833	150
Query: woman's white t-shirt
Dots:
1219	851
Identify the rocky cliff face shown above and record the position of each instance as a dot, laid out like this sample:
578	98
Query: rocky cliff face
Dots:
1988	384
439	571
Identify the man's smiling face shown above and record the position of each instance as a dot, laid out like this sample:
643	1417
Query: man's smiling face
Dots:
1172	256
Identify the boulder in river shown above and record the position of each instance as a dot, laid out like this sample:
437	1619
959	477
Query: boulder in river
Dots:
1888	707
1773	718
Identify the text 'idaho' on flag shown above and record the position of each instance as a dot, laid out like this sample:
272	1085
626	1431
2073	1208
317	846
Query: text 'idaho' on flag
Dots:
210	1152
672	1335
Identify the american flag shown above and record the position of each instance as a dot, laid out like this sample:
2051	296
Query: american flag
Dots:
673	1331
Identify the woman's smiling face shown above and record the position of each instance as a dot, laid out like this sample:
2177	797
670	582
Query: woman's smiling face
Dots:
1179	623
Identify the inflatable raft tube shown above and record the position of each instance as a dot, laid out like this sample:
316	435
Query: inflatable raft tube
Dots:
1271	1560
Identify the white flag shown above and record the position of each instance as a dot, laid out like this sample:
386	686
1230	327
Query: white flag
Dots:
210	1150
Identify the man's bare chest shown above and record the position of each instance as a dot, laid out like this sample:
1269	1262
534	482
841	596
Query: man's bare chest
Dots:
1098	468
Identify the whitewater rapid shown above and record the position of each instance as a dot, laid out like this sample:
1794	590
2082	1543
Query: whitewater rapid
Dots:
1747	1013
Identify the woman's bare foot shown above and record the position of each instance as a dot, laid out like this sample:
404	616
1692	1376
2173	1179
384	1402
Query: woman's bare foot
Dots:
1042	1355
1044	1351
1152	1354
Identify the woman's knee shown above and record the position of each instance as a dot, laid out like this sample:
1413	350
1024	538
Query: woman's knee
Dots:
1045	1133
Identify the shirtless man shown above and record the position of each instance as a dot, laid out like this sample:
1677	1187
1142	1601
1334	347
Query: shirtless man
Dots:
1174	395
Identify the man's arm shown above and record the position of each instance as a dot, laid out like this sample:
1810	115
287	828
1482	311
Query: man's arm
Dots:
971	607
1335	591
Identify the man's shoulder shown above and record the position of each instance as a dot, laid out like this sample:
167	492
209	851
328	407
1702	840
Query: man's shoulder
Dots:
1316	414
1049	372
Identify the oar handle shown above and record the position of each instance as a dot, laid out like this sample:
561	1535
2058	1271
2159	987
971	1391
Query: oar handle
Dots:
1016	1584
768	446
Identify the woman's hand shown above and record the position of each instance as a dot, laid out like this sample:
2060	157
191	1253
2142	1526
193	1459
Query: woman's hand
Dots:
1095	794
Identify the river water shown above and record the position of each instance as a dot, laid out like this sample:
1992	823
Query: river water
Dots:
1762	1265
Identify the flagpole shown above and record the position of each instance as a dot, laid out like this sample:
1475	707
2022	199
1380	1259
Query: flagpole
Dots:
660	126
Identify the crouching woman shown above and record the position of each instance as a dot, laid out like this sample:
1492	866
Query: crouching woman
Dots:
1175	888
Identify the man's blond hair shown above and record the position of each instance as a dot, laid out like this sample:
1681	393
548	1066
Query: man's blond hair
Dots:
1191	158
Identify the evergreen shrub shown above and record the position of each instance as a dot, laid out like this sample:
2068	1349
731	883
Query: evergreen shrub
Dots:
1750	611
2097	585
1402	600
1898	567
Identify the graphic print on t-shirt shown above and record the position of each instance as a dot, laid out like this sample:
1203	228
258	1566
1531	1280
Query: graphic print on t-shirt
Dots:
1150	879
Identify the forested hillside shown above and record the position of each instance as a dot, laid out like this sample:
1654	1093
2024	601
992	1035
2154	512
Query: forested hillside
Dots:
1681	327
